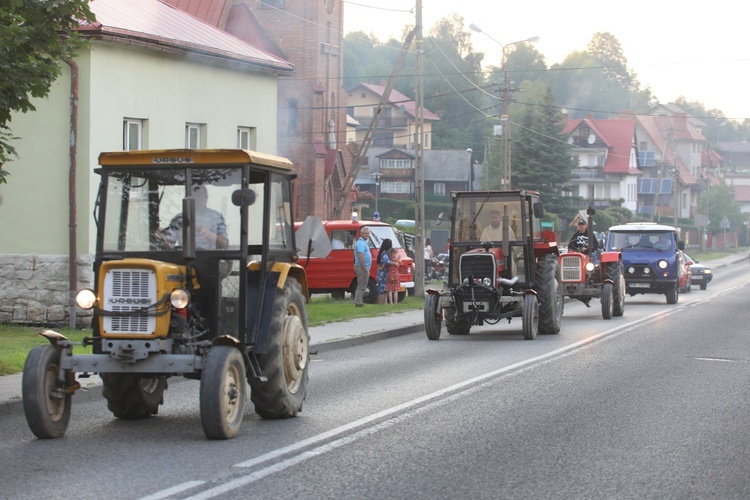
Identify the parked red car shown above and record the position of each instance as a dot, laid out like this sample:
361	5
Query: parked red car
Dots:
335	273
686	280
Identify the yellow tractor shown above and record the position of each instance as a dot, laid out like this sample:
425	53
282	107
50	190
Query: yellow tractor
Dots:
195	276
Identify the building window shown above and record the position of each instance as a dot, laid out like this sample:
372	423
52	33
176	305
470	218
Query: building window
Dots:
395	187
439	189
194	135
246	138
602	192
403	163
132	134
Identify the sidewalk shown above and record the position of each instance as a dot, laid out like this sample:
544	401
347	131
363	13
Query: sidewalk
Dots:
322	338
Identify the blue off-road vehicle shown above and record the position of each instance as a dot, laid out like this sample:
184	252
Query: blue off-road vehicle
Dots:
652	257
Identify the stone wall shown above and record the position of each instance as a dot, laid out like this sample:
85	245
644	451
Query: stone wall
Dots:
34	289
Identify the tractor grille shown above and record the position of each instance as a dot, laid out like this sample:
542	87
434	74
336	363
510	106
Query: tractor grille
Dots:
479	265
571	267
127	290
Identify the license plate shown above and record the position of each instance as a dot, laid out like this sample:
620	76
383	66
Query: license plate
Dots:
639	285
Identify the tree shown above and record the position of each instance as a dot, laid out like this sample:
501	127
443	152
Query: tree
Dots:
541	158
36	36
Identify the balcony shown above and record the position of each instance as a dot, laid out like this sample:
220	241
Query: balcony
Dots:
588	174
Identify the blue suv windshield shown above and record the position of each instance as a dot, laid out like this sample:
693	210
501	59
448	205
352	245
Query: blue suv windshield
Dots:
641	240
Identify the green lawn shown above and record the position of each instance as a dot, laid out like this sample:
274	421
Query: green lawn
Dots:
17	341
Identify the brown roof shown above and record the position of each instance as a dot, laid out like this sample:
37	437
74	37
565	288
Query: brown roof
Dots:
398	100
161	25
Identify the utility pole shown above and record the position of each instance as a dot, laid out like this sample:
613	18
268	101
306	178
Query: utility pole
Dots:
505	93
419	273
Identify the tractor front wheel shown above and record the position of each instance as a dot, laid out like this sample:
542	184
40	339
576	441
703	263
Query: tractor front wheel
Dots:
606	299
45	403
432	321
223	392
530	316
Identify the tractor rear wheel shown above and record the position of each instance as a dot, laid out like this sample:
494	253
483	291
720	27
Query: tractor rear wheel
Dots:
131	397
548	286
455	326
286	361
45	403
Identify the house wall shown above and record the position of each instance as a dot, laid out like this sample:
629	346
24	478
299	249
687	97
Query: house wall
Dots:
115	82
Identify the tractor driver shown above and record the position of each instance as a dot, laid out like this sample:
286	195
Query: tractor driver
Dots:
210	228
494	232
579	242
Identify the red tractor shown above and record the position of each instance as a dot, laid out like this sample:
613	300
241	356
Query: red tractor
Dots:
595	274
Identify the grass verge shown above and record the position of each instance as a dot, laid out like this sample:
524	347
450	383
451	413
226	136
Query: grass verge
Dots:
16	341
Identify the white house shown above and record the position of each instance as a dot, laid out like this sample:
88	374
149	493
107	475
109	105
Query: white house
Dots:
153	77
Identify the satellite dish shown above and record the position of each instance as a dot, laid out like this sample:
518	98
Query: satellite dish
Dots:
591	138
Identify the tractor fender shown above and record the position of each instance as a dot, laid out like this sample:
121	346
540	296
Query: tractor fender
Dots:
54	337
607	257
285	270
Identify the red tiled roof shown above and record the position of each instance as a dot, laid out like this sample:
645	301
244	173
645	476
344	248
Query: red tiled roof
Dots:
158	23
617	135
208	11
399	100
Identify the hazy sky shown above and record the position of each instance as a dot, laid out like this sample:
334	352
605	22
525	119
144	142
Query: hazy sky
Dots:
699	50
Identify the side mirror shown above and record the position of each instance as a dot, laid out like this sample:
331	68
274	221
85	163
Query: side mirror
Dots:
243	197
538	210
681	245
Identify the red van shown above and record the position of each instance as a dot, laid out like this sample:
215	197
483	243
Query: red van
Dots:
335	274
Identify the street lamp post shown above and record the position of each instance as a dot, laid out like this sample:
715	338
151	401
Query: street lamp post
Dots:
376	176
505	93
471	171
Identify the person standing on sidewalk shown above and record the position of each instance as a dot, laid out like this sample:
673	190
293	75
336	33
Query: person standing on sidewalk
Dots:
362	262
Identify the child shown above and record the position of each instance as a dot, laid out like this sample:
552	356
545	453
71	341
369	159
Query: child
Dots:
392	282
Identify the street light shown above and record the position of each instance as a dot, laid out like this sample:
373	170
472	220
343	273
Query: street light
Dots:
376	176
471	171
505	114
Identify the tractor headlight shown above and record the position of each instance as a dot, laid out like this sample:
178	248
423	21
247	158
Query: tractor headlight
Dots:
86	298
663	264
179	298
646	270
590	266
487	282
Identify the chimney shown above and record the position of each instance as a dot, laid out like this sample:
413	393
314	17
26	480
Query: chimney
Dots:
680	121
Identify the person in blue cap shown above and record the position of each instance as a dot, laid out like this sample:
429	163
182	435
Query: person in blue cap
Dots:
376	217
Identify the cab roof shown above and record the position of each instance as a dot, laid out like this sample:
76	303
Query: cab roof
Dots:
192	157
642	226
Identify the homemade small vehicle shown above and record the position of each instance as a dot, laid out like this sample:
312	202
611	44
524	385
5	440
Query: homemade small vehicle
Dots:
195	276
512	271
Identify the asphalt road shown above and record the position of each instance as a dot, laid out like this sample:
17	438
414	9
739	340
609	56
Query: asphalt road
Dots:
650	405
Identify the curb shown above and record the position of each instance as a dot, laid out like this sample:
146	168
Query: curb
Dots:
15	406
